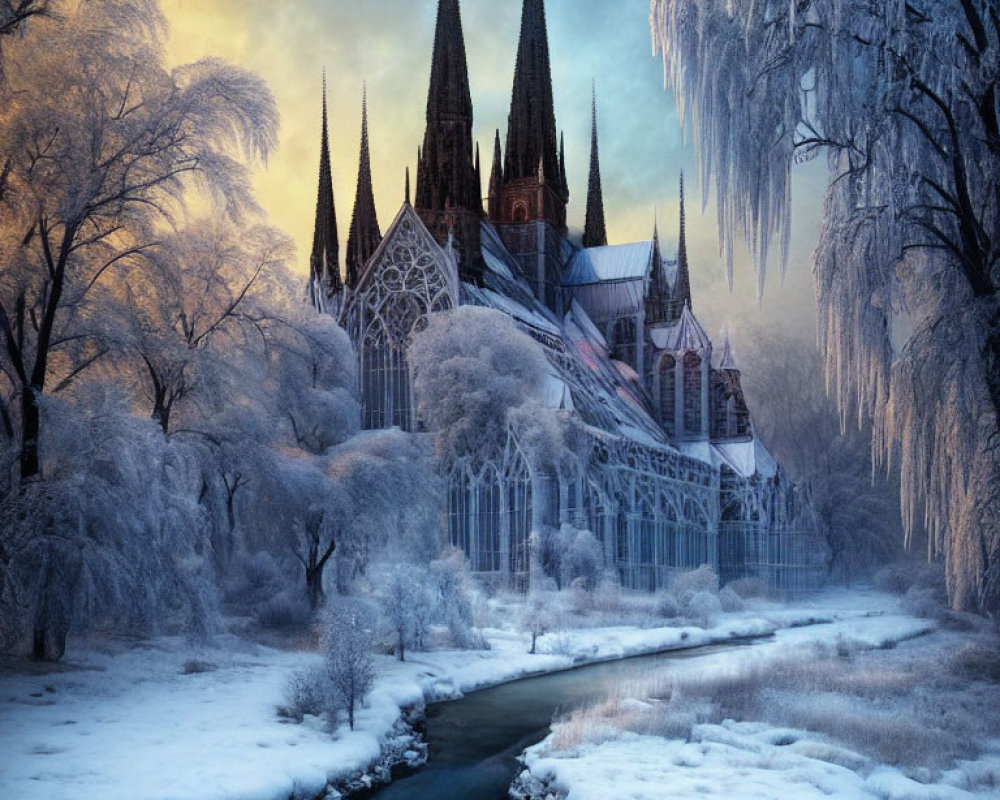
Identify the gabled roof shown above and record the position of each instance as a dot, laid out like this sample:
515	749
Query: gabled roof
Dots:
686	334
617	262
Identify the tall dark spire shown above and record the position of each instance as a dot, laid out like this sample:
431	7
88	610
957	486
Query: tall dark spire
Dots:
496	179
407	194
658	295
325	260
594	233
365	235
681	295
531	132
448	197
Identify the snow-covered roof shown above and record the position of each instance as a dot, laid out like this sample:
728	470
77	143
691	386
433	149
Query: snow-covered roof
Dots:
619	262
746	458
686	334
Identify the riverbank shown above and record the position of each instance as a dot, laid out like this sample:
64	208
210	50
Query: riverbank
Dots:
858	715
151	720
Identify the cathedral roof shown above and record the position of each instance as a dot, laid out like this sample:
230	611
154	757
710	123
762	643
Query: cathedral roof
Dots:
686	334
617	262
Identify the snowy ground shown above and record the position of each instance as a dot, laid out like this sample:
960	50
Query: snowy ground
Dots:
135	721
875	707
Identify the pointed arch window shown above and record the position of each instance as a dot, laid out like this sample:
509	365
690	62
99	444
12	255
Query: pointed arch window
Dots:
668	393
692	393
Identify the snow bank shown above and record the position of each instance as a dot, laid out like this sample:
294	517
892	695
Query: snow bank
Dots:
130	725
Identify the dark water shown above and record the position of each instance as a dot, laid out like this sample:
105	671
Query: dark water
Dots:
474	742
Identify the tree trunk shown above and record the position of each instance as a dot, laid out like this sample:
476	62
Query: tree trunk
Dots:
314	586
31	423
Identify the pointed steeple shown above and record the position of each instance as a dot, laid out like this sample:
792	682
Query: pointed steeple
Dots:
496	179
325	260
406	197
681	295
448	196
727	362
365	235
658	290
594	233
531	135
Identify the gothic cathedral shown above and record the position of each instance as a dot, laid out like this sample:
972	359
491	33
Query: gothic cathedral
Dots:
676	476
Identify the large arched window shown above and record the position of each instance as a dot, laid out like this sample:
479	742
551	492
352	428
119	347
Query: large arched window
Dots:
668	393
692	393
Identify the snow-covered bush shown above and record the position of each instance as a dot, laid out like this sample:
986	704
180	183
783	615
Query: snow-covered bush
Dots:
537	618
350	626
306	692
730	601
582	558
702	579
286	610
922	603
456	591
702	607
667	606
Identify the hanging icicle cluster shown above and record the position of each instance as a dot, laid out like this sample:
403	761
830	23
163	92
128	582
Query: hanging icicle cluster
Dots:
902	98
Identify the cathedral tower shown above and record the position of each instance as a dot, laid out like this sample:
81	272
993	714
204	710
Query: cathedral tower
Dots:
528	198
365	235
449	197
324	264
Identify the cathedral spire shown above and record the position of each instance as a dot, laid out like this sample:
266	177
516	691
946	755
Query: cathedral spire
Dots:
496	179
658	291
365	235
325	260
406	196
681	295
448	197
531	133
594	233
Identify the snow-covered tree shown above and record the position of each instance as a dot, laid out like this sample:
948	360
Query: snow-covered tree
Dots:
112	539
193	303
350	668
857	510
100	142
903	100
472	367
536	619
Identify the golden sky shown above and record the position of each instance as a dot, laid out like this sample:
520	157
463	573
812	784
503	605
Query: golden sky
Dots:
387	43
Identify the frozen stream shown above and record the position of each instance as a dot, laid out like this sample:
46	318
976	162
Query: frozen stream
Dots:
474	742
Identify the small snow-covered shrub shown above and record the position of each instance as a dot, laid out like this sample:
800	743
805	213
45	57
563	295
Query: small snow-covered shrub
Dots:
261	579
748	588
979	661
608	596
921	602
730	601
537	619
349	628
667	606
702	608
306	692
702	579
290	609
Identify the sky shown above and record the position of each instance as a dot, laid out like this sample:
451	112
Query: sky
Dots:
387	44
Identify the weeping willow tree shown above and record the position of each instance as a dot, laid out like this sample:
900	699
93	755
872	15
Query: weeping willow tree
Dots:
901	98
